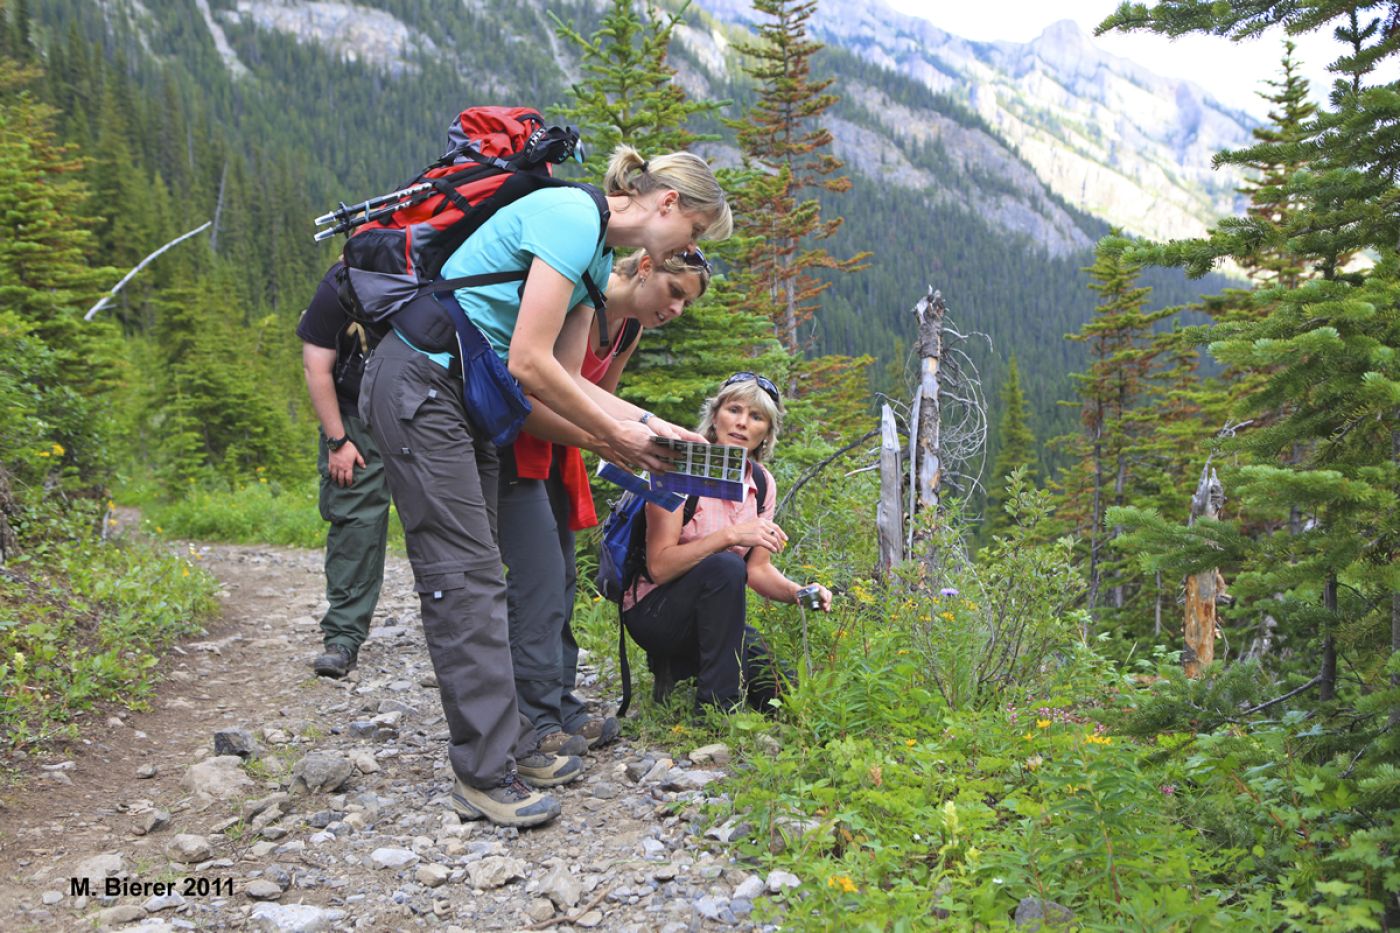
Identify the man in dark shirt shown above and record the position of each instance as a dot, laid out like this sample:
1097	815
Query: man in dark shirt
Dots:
354	494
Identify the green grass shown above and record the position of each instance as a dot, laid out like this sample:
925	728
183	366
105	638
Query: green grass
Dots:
260	513
83	623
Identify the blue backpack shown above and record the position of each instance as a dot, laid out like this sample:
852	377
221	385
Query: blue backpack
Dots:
622	559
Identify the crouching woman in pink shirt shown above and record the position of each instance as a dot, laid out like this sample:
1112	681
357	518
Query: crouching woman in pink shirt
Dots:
688	609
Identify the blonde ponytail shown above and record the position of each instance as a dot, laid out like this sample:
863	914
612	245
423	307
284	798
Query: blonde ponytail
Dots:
689	175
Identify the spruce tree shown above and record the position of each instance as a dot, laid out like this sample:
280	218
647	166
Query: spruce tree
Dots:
1325	356
1114	420
1016	449
781	136
628	94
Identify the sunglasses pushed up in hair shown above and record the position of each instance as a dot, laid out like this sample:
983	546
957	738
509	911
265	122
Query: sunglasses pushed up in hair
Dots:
695	260
764	383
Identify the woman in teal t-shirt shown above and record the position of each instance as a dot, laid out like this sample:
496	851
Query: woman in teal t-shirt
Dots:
443	476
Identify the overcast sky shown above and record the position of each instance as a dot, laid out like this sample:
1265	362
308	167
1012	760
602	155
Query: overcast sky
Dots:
1231	71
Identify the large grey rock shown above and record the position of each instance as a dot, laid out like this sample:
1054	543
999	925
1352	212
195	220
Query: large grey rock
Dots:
389	857
320	772
235	742
294	918
221	777
189	848
781	880
160	902
1034	912
495	871
122	913
750	888
101	866
678	780
262	889
560	886
432	876
716	754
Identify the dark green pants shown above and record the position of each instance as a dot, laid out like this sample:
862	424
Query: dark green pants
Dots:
359	517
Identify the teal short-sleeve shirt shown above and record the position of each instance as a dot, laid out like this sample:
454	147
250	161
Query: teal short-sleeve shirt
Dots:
557	225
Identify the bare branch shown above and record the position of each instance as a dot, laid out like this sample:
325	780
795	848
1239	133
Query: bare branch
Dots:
107	298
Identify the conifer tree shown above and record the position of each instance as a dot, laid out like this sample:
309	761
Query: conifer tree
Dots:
1326	357
629	93
1113	414
63	365
629	96
1016	449
780	135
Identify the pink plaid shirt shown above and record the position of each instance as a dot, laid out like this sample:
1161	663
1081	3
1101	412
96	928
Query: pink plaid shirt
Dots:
710	516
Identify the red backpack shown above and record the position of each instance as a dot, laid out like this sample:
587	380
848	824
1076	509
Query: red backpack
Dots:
399	241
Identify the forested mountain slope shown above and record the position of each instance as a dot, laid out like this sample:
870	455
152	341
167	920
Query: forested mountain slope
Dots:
332	100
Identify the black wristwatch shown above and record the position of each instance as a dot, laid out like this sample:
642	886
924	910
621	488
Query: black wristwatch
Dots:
335	443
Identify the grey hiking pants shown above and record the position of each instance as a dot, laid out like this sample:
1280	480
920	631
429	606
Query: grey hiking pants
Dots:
443	479
541	574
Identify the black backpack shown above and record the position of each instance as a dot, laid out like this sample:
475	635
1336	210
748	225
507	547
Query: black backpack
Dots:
622	559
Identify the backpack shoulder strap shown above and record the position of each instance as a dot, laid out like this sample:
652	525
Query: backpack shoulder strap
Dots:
631	330
760	481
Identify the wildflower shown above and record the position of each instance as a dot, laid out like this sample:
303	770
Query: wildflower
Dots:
58	450
948	591
184	571
677	729
45	453
877	776
946	616
1093	739
1028	736
911	742
842	883
1042	724
903	650
1035	761
1167	789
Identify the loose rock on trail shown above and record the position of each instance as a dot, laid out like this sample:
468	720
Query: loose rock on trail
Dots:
255	795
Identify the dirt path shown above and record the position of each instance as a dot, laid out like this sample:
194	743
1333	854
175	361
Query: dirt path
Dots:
375	846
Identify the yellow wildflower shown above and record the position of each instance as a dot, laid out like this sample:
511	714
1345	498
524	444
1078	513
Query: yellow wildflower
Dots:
58	450
1042	724
946	616
911	742
1028	736
45	453
842	883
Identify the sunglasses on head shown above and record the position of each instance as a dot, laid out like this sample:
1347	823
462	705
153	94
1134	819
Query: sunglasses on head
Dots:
764	383
695	260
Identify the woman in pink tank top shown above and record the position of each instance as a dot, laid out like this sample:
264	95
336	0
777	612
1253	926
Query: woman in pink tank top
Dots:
544	498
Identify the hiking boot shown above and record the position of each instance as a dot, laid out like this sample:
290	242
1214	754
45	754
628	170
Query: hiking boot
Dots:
541	769
600	730
509	803
336	662
561	743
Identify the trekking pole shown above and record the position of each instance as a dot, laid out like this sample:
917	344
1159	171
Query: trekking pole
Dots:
347	217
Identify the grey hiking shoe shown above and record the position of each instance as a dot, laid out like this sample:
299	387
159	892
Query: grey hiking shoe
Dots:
541	769
561	743
600	730
509	803
336	662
